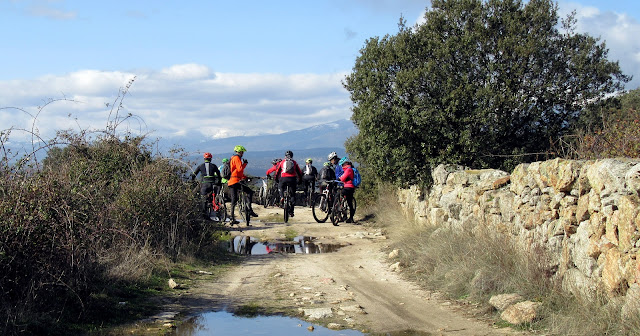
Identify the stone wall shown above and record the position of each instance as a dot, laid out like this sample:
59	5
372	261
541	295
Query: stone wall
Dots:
585	213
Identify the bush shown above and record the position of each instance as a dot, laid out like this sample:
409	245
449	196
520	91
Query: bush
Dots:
96	212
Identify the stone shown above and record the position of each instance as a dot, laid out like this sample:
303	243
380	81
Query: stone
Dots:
612	271
503	301
318	313
522	312
394	254
172	283
395	267
334	326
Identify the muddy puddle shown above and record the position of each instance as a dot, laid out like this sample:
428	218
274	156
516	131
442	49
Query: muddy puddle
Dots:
302	244
225	323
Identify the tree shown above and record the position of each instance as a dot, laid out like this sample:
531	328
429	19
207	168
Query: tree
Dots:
480	83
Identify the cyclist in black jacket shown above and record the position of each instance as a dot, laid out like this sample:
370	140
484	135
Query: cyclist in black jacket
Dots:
211	181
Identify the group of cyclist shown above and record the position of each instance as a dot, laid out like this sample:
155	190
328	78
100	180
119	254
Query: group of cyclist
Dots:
286	172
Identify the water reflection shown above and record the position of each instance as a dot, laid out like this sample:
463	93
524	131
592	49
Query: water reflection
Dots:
225	323
302	244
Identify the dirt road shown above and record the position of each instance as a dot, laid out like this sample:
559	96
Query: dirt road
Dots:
354	287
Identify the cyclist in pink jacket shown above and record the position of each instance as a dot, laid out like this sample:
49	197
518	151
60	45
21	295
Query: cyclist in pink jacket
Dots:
349	188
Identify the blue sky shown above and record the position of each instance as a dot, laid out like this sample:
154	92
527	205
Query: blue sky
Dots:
215	68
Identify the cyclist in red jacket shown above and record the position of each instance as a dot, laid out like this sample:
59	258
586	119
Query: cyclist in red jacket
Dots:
289	173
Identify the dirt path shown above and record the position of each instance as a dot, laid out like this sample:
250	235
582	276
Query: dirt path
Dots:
353	287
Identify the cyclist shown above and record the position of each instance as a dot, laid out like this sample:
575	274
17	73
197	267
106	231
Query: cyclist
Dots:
327	173
224	161
238	165
211	181
333	158
289	173
349	188
309	178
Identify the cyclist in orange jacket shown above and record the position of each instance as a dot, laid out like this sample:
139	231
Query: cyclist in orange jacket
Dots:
238	165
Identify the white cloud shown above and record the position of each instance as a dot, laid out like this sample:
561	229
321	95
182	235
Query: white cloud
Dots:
180	100
618	30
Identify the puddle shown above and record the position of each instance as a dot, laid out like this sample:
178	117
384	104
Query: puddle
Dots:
225	323
301	244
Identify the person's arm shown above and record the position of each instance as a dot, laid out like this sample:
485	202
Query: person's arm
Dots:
195	172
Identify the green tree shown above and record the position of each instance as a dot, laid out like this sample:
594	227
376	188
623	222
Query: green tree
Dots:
480	83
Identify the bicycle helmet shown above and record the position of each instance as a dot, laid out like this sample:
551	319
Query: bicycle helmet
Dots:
309	160
207	156
326	164
225	160
275	161
343	160
332	156
289	154
239	149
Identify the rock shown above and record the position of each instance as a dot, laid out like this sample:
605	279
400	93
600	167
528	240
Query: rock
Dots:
310	328
394	254
334	326
502	301
277	275
318	313
395	267
522	312
172	283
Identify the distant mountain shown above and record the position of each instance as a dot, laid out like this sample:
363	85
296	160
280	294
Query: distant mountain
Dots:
329	135
314	142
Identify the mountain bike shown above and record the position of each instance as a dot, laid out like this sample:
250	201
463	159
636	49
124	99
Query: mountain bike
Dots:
310	193
216	206
244	202
271	194
340	210
323	203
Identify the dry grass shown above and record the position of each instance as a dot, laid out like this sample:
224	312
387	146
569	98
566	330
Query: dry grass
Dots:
475	264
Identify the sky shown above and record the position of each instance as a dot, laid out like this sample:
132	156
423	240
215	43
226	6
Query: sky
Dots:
212	69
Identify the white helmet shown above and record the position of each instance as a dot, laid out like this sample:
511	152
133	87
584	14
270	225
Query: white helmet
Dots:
332	156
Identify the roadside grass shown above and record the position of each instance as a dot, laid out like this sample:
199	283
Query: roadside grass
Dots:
474	264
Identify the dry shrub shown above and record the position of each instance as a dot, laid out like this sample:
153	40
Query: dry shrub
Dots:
97	212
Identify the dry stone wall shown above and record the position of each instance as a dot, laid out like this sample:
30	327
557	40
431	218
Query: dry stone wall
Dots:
586	214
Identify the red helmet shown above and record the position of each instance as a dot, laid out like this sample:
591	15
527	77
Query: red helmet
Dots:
208	155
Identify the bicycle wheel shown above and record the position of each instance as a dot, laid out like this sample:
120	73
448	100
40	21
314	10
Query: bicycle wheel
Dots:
247	208
319	208
241	208
336	212
286	205
222	208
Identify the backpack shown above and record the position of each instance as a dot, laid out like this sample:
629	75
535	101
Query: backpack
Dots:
225	171
326	174
288	166
356	177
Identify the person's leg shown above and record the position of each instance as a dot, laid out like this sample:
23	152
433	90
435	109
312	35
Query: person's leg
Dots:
234	199
249	194
205	189
292	197
349	193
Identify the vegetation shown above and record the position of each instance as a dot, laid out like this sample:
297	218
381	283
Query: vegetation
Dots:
480	83
472	265
95	223
614	131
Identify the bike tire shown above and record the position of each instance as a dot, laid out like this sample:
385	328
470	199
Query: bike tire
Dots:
247	209
319	214
286	205
335	213
222	208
